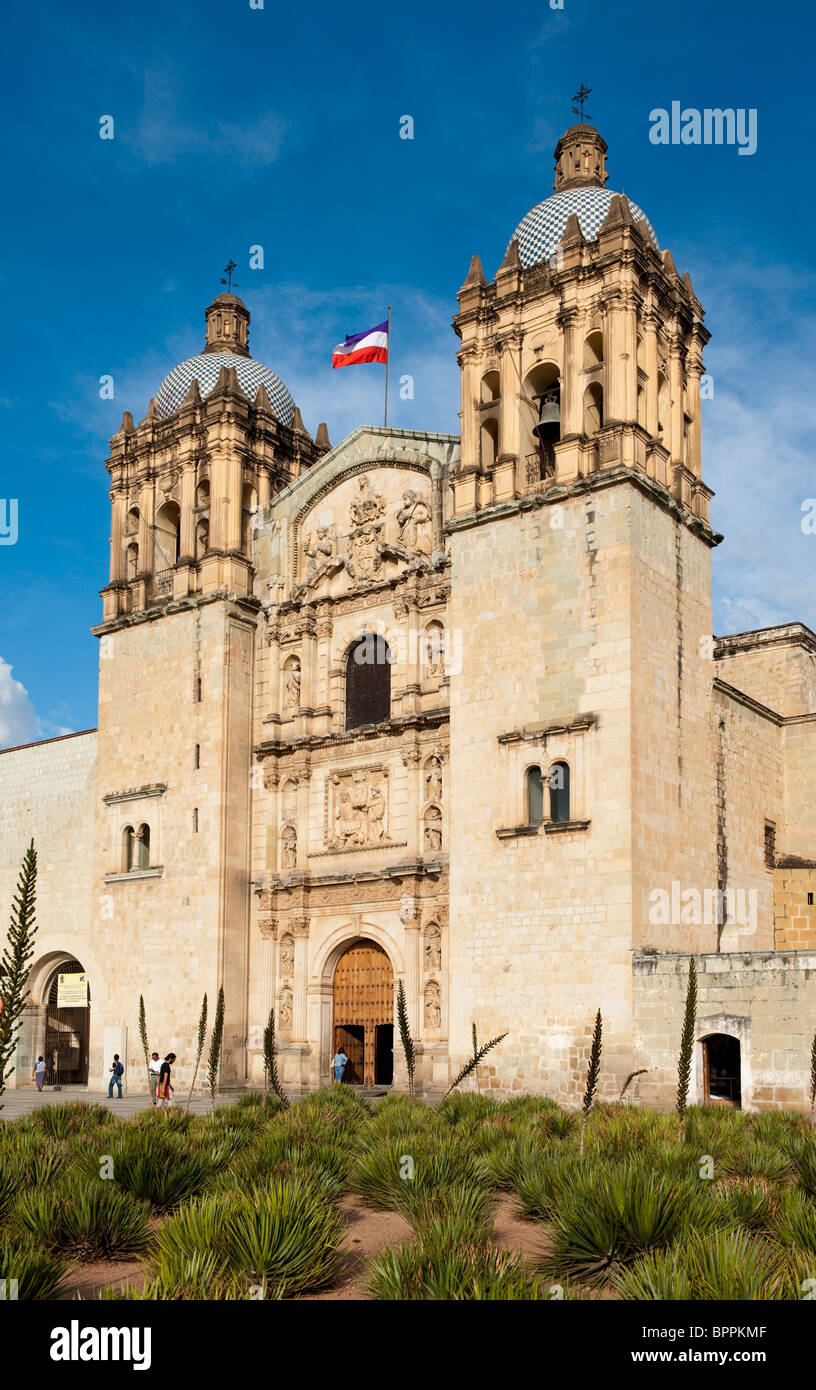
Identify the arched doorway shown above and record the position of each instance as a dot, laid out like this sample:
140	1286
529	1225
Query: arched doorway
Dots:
67	1025
722	1075
364	1014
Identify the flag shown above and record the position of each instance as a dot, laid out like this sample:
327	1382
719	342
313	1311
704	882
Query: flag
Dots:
371	346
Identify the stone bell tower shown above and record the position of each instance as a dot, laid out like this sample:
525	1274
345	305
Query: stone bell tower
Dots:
221	437
580	545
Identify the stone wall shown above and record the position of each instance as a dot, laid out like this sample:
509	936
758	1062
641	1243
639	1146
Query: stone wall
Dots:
795	905
766	1000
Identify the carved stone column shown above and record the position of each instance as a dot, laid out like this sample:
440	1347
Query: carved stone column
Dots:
412	761
409	916
273	699
187	546
268	927
117	553
649	325
300	931
571	403
676	411
304	776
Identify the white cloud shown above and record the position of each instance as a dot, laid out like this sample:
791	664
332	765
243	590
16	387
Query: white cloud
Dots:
163	132
18	718
19	721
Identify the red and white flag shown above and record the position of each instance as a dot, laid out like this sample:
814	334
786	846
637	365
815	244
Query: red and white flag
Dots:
371	346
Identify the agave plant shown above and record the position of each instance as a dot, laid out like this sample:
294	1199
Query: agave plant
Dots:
434	1269
795	1223
731	1266
37	1272
86	1220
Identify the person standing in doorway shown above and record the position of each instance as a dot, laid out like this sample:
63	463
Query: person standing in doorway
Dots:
39	1073
117	1072
154	1067
339	1065
165	1087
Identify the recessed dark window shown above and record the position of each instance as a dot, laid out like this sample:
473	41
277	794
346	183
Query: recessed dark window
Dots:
559	792
810	899
535	796
368	682
770	845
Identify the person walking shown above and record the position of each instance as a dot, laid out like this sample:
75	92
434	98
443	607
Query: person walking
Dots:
117	1072
154	1067
339	1065
164	1080
39	1073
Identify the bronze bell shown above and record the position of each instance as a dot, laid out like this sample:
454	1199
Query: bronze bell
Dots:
549	415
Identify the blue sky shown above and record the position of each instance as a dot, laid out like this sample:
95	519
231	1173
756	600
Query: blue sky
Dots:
279	127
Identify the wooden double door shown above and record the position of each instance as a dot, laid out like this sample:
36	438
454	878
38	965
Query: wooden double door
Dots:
364	1014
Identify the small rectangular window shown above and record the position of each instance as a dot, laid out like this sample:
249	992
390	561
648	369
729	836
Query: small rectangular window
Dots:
810	899
195	820
770	845
197	757
198	690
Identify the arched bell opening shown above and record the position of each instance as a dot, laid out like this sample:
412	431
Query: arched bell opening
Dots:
543	391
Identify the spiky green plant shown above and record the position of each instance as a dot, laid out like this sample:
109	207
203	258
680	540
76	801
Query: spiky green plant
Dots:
89	1220
143	1038
271	1077
641	1071
593	1072
16	960
38	1272
216	1041
436	1268
479	1054
202	1035
686	1047
408	1048
813	1082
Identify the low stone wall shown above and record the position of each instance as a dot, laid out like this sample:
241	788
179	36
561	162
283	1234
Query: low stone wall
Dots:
765	999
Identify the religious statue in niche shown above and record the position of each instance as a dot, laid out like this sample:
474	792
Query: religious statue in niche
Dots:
292	686
433	830
433	780
434	651
287	956
360	807
288	847
289	800
433	1011
414	523
433	947
285	1013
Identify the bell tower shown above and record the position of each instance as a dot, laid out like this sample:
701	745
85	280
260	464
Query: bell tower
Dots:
581	586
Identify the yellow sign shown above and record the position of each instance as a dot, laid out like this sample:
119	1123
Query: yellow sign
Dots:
72	991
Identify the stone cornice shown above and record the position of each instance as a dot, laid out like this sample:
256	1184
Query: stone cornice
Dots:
597	482
136	793
785	635
247	602
428	719
534	733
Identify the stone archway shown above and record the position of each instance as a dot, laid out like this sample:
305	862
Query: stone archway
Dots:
363	1013
56	1022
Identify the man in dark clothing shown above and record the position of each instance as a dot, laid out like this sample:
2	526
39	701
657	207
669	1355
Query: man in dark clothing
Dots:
164	1080
117	1072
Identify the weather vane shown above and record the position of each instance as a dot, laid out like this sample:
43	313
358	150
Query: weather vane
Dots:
228	269
581	96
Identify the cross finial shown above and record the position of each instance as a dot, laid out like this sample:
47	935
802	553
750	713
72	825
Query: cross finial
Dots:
581	96
228	269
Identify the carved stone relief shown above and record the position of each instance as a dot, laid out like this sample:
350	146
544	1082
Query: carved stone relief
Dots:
357	809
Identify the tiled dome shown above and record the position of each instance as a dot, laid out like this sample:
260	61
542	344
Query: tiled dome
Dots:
539	233
206	368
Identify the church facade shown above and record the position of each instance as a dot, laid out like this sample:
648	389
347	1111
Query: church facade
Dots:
438	709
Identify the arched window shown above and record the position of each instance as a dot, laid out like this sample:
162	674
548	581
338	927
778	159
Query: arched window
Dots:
132	523
203	493
559	779
594	350
132	560
535	796
368	682
168	535
662	405
143	846
490	443
593	408
202	538
128	854
491	387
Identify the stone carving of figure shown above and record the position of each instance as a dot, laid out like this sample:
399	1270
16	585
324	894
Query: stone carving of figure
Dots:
414	522
433	830
433	1013
433	780
376	814
286	1010
289	847
433	948
367	505
360	815
287	956
434	652
293	686
347	822
320	548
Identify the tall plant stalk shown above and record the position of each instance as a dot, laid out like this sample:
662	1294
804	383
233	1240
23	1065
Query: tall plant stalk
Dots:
214	1060
479	1054
143	1037
405	1037
813	1083
16	960
593	1072
686	1048
202	1034
641	1071
271	1077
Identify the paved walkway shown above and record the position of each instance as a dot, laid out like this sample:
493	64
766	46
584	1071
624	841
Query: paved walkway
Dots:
13	1103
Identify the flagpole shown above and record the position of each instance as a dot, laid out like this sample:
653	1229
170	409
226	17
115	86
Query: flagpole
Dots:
387	361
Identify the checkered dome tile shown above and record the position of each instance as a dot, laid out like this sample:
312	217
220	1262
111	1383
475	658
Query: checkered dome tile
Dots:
539	233
206	368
